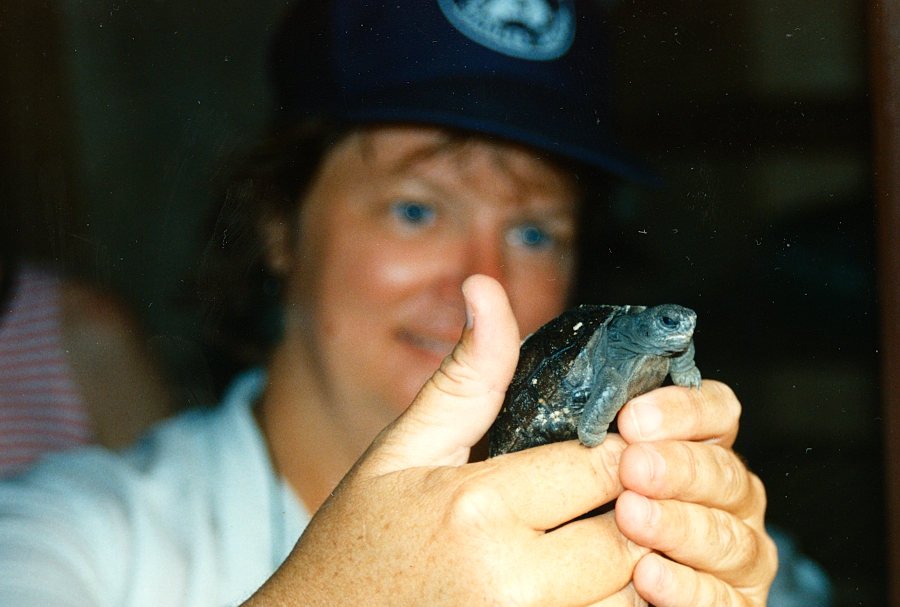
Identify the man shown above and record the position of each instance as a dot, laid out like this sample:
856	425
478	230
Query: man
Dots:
428	168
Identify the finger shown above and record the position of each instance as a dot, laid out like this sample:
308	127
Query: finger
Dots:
626	597
705	474
705	539
710	413
664	583
459	402
547	486
582	562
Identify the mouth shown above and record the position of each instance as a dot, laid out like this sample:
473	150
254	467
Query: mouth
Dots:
677	343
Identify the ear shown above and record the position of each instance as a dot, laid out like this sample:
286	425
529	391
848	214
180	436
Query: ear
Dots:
276	234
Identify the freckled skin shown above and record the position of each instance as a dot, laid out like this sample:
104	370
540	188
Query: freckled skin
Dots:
578	370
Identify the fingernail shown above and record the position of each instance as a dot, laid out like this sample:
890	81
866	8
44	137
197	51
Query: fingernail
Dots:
656	464
655	568
649	511
470	314
647	417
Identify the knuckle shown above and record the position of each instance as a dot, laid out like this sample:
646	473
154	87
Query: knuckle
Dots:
733	408
684	473
744	552
724	533
626	597
706	590
753	507
456	376
759	491
453	378
727	400
691	464
604	464
636	601
472	514
720	595
734	477
473	505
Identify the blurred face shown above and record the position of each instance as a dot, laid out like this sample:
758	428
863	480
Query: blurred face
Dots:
397	218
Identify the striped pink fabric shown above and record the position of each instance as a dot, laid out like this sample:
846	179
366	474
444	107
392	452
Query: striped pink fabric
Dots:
40	407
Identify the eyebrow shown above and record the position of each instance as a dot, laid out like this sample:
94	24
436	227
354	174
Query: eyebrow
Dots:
454	142
444	141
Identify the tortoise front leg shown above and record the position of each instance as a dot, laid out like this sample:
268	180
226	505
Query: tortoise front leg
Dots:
683	370
602	406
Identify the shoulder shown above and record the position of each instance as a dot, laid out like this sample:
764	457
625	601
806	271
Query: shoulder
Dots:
94	480
174	460
98	326
185	502
103	338
93	310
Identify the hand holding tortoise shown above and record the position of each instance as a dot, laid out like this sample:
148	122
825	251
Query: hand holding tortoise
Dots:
502	531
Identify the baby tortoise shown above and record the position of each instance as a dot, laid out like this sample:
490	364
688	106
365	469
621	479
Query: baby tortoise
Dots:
578	370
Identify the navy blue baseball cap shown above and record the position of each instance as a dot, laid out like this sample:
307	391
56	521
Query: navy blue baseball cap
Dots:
529	71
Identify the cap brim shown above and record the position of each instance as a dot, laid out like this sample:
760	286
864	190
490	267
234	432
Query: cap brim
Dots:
456	106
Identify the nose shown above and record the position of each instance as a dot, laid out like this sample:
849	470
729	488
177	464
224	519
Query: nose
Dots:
477	246
476	252
485	255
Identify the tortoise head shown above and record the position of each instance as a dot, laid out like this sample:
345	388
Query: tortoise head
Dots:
662	330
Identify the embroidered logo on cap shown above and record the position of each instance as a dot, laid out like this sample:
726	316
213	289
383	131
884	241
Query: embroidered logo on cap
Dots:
539	30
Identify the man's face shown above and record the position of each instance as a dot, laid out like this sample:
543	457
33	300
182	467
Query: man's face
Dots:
397	218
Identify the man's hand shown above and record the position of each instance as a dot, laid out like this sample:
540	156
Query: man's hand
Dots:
414	524
691	499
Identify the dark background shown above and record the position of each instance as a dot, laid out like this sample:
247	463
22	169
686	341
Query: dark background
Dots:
117	119
757	115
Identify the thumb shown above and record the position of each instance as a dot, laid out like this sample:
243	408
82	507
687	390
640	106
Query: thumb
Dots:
458	404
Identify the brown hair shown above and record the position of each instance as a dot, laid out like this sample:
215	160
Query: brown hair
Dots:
239	295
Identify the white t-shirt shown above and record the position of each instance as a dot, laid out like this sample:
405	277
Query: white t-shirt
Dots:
193	515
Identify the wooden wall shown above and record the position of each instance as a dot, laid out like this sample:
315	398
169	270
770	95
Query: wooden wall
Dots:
885	34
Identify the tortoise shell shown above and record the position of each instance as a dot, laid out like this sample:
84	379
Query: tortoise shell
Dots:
594	356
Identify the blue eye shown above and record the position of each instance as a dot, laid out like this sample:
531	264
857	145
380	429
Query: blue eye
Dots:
531	236
413	213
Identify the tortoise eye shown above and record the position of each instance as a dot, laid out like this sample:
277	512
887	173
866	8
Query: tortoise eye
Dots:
668	322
